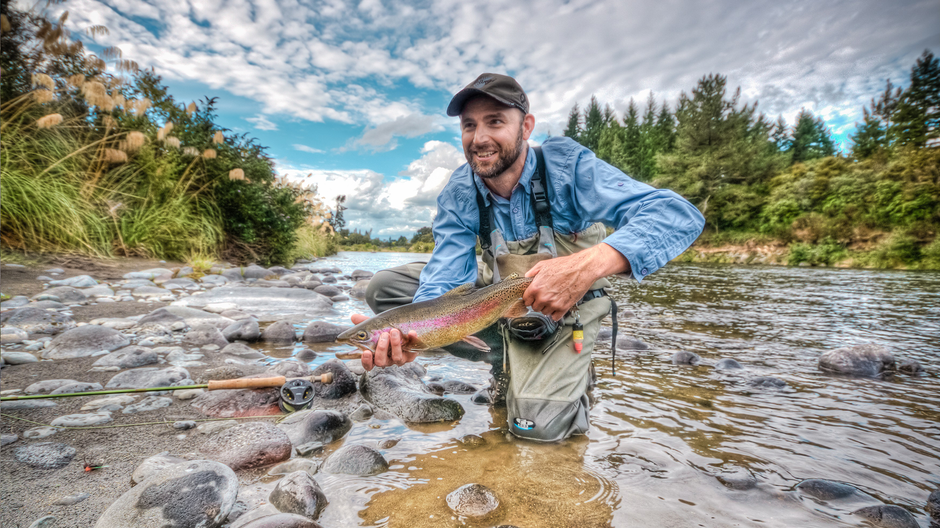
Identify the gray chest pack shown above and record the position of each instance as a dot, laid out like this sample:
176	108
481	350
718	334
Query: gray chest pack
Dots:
549	377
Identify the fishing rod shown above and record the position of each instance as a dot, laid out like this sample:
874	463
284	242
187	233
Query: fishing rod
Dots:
295	394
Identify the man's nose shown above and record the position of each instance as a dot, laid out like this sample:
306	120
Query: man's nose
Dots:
481	136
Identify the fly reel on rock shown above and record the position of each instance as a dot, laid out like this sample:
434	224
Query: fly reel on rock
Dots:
295	395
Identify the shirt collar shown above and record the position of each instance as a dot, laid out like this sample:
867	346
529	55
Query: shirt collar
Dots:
528	170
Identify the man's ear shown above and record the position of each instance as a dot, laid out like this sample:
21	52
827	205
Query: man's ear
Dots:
528	125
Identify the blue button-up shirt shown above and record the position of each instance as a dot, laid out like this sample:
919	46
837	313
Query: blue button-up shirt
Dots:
653	226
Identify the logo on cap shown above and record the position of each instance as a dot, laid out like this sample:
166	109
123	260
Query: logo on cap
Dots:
483	82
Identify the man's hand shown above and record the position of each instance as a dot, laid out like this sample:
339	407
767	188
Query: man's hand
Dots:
388	351
561	282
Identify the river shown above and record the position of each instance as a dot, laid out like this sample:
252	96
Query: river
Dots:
681	445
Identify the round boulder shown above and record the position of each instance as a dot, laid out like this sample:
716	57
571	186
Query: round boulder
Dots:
321	426
243	330
279	332
686	358
298	493
322	332
205	334
888	516
153	465
38	321
356	460
727	364
128	357
85	341
147	377
861	360
197	493
826	490
250	445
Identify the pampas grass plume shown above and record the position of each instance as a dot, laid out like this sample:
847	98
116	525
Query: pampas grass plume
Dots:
41	79
49	121
135	140
218	138
115	156
209	154
43	96
173	142
191	108
236	174
190	151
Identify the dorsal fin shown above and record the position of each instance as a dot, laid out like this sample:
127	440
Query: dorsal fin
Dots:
511	276
463	289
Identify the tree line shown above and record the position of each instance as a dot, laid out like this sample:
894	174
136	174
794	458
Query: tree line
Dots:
760	179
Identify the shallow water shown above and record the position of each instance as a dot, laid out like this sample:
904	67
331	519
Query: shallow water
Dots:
675	445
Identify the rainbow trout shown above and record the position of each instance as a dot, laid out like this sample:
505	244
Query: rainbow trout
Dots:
450	318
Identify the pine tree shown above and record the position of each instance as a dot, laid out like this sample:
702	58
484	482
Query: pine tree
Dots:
630	148
666	128
593	125
609	115
781	135
574	130
811	138
869	138
917	114
649	142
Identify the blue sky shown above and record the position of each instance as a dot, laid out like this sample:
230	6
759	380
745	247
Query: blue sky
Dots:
350	95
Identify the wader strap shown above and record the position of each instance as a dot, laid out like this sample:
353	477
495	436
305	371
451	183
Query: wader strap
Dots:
543	210
594	294
539	183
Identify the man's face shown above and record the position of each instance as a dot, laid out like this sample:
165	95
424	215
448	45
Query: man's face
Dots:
493	135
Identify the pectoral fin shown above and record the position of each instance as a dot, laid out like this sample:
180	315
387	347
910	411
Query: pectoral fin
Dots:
516	309
477	343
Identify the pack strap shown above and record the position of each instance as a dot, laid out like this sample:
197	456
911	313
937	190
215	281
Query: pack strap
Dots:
594	294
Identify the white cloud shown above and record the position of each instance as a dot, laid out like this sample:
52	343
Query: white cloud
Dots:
382	137
305	148
261	122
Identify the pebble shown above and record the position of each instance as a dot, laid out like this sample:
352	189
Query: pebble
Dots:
355	459
20	358
184	425
298	493
6	439
117	399
26	404
44	522
39	432
71	499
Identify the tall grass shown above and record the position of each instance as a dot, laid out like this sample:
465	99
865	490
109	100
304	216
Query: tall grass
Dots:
313	242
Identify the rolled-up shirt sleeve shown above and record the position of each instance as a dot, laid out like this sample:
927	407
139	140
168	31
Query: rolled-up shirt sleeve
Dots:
454	260
652	226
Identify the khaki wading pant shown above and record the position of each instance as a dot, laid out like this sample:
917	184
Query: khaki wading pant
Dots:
548	381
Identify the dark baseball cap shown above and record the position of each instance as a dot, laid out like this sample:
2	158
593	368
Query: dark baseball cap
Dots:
503	88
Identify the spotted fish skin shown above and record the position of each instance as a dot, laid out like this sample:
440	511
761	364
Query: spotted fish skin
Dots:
450	318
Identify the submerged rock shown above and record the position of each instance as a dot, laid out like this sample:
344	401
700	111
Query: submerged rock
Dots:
826	489
727	364
472	500
686	358
888	516
197	493
399	391
861	360
767	382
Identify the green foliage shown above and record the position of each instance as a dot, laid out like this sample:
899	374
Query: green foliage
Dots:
826	253
108	174
574	128
811	138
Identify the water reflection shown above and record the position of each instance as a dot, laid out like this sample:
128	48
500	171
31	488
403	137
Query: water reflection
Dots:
683	445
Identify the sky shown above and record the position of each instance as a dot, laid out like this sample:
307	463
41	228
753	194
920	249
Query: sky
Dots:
351	95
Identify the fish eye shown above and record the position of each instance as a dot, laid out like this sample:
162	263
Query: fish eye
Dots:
361	334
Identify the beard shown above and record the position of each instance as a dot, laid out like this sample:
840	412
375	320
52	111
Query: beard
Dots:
504	159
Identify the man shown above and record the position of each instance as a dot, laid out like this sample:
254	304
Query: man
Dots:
541	214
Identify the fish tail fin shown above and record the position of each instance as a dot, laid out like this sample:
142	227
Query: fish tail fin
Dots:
516	309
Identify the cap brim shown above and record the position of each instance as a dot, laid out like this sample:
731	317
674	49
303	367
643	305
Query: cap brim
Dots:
456	104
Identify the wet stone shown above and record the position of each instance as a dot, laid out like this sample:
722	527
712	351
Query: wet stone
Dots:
458	387
630	343
356	460
46	455
298	493
363	413
888	516
826	490
197	493
279	332
243	330
290	368
387	443
400	391
767	382
205	334
686	358
471	441
6	439
343	384
861	360
727	364
933	504
909	366
472	500
295	464
310	448
322	332
315	426
280	520
82	420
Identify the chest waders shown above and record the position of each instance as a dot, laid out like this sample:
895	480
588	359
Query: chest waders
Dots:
549	378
